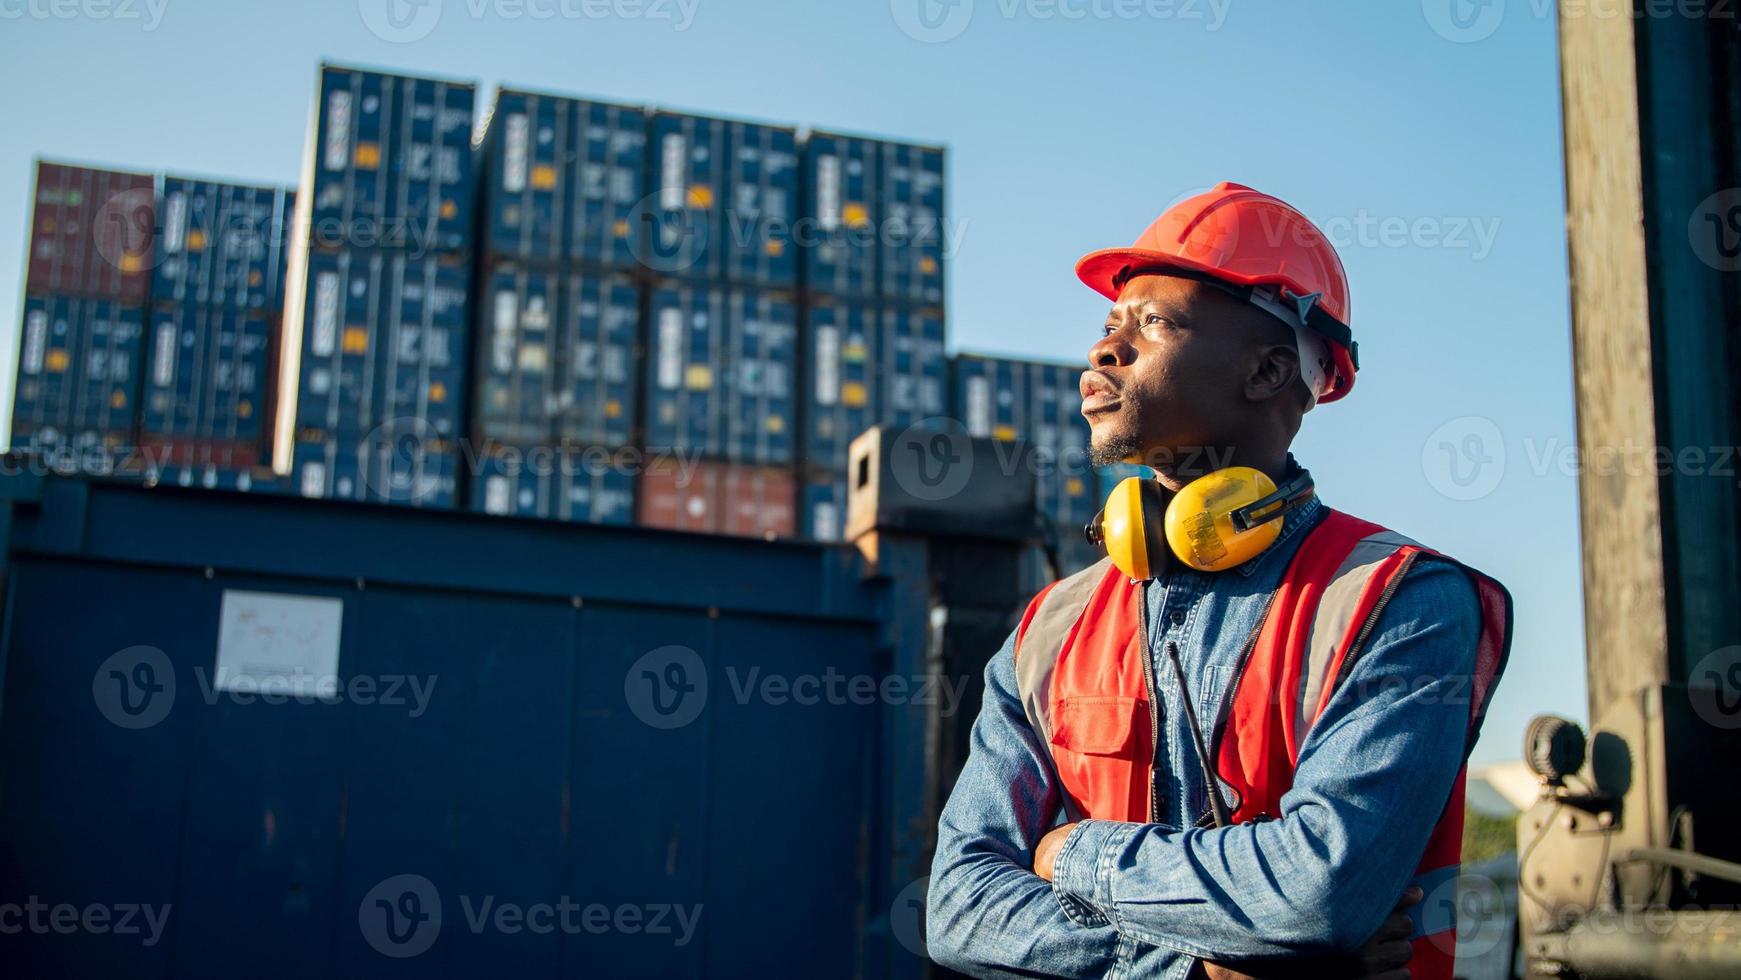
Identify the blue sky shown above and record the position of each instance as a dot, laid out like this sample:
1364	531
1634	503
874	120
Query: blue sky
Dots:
1427	146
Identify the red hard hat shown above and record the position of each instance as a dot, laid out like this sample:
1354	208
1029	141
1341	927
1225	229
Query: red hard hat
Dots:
1244	238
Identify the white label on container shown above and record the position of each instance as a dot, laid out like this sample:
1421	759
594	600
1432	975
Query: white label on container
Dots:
825	522
979	406
673	179
35	341
313	479
827	365
496	495
514	163
670	348
502	334
338	130
828	191
326	314
270	643
163	356
533	358
175	222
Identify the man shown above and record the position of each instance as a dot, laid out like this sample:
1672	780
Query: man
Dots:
1268	783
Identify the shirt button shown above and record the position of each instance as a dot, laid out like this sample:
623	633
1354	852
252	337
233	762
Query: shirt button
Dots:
1177	618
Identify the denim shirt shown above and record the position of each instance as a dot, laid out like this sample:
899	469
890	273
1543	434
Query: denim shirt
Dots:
1146	900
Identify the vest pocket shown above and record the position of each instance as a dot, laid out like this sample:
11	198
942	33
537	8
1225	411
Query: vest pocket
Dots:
1098	725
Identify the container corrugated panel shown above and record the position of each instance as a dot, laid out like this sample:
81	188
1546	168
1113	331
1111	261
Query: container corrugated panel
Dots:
220	245
390	161
78	373
1041	404
383	340
910	222
914	368
840	214
564	485
224	454
598	393
842	351
246	479
91	233
718	498
823	505
205	373
411	472
564	178
723	196
721	372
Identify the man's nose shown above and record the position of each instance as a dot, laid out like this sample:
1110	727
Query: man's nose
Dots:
1111	350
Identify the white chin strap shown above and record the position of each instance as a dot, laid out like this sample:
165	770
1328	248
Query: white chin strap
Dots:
1316	367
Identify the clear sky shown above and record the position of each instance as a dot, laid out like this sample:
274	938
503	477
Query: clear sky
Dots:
1427	146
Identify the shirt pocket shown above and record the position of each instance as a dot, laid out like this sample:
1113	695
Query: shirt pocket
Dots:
1209	694
1097	725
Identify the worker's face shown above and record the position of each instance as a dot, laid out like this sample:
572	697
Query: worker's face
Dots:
1167	378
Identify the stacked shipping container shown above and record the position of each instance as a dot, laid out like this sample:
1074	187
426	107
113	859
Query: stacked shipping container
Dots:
372	368
87	280
872	230
558	317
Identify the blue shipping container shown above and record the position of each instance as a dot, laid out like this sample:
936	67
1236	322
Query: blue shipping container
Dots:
842	354
220	245
1041	404
563	178
383	340
563	484
723	197
248	479
409	471
389	162
78	373
913	367
822	505
910	223
721	372
839	230
206	374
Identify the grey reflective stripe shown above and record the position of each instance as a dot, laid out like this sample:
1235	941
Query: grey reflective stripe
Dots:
1334	616
1038	647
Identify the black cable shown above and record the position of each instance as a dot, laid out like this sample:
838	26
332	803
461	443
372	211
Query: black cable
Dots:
1217	805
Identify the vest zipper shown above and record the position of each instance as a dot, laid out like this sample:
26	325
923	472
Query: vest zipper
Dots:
1154	705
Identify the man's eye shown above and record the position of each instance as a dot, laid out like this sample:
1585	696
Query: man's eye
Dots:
1107	330
1154	319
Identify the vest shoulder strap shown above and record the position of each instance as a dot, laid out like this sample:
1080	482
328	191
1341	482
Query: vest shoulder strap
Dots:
1045	627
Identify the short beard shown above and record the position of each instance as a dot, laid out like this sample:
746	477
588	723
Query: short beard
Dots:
1113	449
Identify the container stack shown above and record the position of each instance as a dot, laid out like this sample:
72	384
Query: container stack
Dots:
87	283
372	361
872	228
216	299
558	314
721	414
1039	403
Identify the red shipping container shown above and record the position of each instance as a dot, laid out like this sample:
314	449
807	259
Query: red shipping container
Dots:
92	233
719	498
225	454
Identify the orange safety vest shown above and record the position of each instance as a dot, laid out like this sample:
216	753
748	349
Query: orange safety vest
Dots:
1083	680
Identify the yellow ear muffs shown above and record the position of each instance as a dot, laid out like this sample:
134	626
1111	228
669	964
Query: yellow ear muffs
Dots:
1200	526
1213	523
1129	528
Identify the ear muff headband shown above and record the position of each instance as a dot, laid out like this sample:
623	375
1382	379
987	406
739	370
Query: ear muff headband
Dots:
1215	522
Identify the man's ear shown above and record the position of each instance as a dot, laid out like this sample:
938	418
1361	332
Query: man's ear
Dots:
1275	371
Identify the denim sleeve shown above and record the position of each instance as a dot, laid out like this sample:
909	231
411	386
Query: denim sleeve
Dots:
1373	778
988	914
